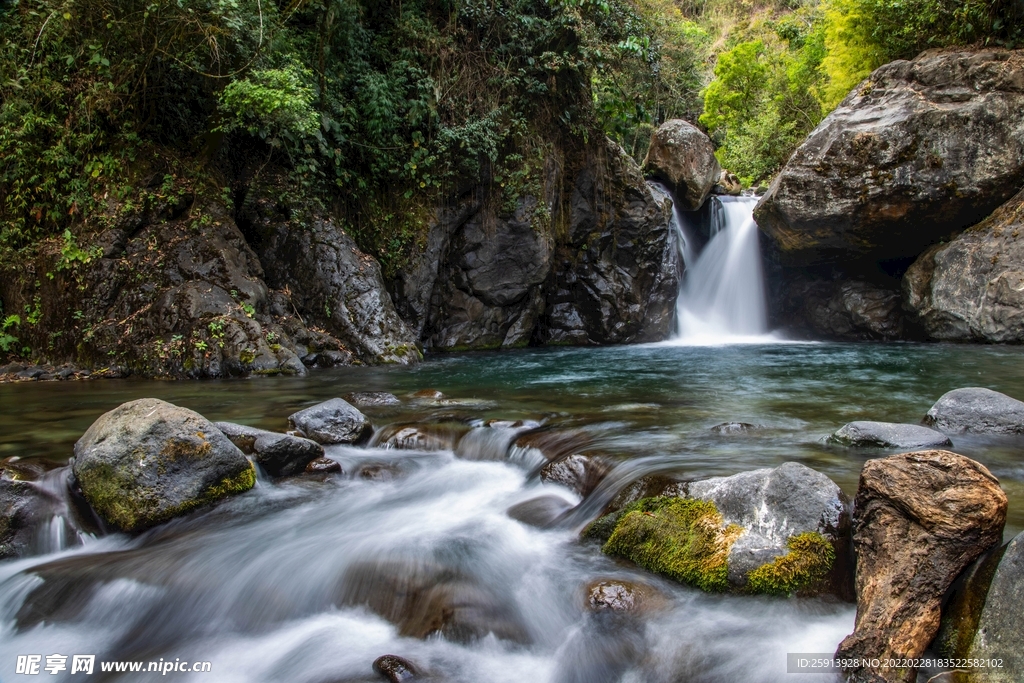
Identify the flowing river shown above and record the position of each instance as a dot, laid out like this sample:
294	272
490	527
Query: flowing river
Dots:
289	581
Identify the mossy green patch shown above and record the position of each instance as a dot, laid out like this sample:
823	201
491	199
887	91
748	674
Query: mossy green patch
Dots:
808	562
684	539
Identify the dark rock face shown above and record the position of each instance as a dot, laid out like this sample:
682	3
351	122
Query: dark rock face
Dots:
331	282
889	435
148	461
586	257
919	520
839	306
333	421
683	158
976	410
972	288
920	150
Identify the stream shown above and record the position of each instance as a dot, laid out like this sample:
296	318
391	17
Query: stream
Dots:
289	581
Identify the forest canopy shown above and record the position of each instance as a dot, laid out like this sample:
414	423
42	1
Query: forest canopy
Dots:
371	103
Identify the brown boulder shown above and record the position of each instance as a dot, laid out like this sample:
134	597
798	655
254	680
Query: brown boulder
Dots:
919	519
683	158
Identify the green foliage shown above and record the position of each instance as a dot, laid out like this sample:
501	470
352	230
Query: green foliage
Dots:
8	340
275	105
682	538
808	562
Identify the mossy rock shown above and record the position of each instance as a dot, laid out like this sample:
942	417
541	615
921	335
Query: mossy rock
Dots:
148	461
806	565
681	538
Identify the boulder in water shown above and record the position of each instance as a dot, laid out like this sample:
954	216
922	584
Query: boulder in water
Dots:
889	435
542	512
775	531
423	436
919	520
147	461
24	507
579	472
322	466
280	455
976	410
333	421
682	157
920	150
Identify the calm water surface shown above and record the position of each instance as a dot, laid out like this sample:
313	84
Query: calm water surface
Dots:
263	585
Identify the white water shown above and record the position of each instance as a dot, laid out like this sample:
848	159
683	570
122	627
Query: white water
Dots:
722	295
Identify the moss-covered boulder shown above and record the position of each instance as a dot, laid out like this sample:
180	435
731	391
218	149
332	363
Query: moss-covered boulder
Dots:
774	531
147	461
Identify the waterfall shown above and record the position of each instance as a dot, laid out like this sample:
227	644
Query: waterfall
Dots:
722	294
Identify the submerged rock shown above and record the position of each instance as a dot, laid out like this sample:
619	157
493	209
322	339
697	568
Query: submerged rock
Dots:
333	421
918	151
970	288
919	520
580	473
774	531
977	410
682	157
615	595
889	435
735	428
542	512
147	461
424	436
423	599
394	668
372	399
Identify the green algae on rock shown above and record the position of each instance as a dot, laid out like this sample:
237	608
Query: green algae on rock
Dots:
684	539
808	562
147	461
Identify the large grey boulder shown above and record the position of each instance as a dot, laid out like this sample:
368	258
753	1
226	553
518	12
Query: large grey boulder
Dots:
333	421
920	150
977	410
972	288
889	435
772	506
682	157
147	461
330	280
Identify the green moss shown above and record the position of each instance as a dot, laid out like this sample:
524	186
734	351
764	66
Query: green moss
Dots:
684	539
601	529
240	483
247	356
808	562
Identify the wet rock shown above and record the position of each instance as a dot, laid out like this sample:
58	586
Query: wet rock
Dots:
620	596
330	280
649	486
976	410
919	520
420	436
430	394
970	289
554	443
394	668
282	455
147	461
333	421
683	158
889	435
372	399
578	472
24	508
918	151
841	305
735	428
243	436
379	471
775	531
323	466
423	598
542	512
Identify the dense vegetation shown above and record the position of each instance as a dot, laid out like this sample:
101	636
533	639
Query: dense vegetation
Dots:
375	107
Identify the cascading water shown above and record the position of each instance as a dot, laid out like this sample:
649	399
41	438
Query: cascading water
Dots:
722	295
